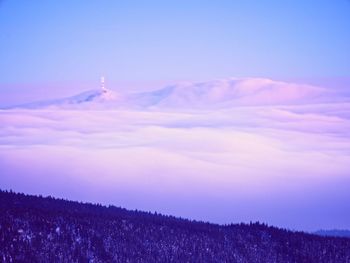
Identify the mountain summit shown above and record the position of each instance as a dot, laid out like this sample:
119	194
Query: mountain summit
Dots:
232	92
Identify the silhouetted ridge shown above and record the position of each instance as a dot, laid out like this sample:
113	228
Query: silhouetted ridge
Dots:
334	233
37	229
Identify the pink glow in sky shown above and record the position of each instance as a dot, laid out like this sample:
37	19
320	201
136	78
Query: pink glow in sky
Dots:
170	134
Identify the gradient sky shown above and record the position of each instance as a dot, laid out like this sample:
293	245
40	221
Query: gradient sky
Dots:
77	41
284	164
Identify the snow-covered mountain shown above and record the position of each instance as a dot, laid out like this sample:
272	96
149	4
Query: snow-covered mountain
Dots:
212	94
231	92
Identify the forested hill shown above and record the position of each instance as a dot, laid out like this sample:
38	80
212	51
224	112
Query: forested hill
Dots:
38	229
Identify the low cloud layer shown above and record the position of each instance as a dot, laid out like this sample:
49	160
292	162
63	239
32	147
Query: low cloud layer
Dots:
287	165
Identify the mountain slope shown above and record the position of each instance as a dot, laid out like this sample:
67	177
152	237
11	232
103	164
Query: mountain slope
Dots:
36	229
94	98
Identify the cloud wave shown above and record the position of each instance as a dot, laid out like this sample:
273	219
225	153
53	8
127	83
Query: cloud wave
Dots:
283	164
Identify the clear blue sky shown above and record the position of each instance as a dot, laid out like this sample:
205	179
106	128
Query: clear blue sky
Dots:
77	41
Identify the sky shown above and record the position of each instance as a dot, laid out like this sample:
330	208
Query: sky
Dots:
256	128
51	48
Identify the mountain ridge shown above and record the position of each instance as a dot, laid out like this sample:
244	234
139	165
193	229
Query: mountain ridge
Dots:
220	93
333	232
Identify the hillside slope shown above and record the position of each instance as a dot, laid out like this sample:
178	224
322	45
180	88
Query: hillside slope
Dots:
37	229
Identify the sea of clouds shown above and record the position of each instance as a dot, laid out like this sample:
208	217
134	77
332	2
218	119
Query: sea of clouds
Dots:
285	162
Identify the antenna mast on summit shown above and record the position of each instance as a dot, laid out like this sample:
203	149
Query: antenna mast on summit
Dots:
103	88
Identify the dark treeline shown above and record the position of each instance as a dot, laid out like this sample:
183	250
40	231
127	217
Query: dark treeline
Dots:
37	229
